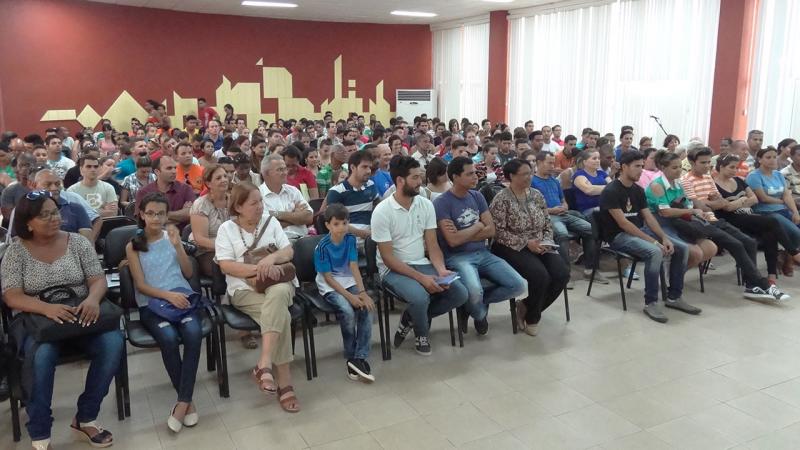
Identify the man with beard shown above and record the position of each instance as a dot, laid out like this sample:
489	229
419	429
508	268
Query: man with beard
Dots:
357	193
403	226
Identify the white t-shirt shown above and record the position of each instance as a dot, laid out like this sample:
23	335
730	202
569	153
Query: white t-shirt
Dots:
552	147
97	195
229	246
61	166
284	201
405	229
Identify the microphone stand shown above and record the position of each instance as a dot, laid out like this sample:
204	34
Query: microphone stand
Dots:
658	122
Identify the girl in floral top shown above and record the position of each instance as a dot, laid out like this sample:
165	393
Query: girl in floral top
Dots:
524	238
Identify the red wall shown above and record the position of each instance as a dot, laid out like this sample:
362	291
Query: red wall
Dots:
66	54
735	40
497	93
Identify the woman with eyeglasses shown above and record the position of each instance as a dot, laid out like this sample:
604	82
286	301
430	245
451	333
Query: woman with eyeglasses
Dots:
159	267
43	257
741	213
524	238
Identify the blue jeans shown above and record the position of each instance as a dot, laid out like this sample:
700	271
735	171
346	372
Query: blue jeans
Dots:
421	304
573	222
653	258
105	352
472	266
784	217
189	332
356	325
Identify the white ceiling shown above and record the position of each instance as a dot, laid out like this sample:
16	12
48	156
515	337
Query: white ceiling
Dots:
371	11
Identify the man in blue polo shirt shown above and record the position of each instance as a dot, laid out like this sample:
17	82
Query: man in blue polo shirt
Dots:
564	221
464	224
357	193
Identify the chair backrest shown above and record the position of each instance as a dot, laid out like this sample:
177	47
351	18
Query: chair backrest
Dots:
187	230
371	252
597	232
304	258
111	223
219	285
319	225
569	196
127	289
116	240
489	191
316	204
130	210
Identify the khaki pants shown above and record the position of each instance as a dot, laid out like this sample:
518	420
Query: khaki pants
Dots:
271	311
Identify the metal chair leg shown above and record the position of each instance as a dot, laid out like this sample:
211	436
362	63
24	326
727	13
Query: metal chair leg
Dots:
461	328
512	304
594	271
386	327
308	327
566	303
126	382
379	306
225	390
306	353
452	330
702	285
663	278
15	427
621	285
630	275
209	354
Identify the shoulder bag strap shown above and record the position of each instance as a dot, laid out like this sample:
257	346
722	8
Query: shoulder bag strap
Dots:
257	237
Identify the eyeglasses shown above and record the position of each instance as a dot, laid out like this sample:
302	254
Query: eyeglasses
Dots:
155	215
38	195
49	215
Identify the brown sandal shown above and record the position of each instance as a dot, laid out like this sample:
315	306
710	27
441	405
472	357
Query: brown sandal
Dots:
265	380
288	400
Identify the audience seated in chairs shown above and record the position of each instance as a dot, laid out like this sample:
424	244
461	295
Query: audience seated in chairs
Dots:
132	183
589	182
43	257
403	226
251	227
159	266
524	239
464	225
340	284
357	193
179	195
283	201
208	212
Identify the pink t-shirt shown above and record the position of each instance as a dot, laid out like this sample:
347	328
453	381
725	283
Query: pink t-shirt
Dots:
647	177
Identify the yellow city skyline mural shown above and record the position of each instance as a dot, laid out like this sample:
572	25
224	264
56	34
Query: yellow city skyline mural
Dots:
245	97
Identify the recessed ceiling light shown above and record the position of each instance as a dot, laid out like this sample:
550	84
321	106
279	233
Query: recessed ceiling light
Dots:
268	4
413	14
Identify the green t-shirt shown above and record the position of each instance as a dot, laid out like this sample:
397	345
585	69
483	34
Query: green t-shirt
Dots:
671	193
324	179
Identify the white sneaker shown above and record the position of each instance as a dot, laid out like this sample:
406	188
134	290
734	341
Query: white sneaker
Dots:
778	294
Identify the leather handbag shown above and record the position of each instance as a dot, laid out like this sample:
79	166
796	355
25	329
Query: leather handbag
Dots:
44	329
253	255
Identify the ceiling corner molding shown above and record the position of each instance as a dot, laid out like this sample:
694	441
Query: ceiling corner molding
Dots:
473	20
555	6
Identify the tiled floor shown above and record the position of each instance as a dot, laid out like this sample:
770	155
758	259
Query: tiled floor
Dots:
609	379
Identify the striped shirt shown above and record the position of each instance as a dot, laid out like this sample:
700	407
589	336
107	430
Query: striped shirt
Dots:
359	202
698	188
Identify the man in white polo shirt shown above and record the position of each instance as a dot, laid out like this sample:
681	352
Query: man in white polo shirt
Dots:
283	201
403	225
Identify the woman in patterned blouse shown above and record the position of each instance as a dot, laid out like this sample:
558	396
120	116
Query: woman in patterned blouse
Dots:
524	238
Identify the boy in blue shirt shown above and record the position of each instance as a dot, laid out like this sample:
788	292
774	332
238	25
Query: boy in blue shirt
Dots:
340	284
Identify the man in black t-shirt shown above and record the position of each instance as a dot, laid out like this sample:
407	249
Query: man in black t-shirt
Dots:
629	226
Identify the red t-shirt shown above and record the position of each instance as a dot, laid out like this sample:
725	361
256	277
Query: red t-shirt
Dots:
303	176
206	114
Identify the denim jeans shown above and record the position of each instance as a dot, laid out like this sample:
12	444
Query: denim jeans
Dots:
421	304
573	222
784	218
653	258
105	352
356	325
189	332
472	266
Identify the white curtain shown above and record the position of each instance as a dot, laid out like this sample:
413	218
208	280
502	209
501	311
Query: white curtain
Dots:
775	90
615	63
461	71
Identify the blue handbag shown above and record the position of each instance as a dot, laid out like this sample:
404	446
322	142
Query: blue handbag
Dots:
172	313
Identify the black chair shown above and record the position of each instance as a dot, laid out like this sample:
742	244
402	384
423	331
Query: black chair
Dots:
114	253
316	204
237	320
108	224
68	355
306	274
597	233
138	335
386	294
205	282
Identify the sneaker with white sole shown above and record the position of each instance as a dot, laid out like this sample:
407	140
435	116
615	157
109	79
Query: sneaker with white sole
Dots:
778	294
423	346
756	293
352	372
402	329
627	273
361	369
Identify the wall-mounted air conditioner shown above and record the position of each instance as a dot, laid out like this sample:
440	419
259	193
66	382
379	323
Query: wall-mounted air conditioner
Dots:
415	102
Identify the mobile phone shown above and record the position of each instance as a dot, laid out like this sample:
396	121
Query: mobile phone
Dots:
447	280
